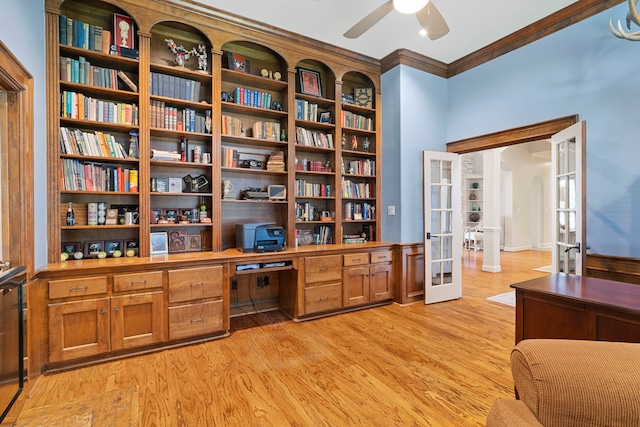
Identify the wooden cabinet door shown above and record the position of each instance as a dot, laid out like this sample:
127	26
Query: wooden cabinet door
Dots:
136	320
355	285
78	329
380	282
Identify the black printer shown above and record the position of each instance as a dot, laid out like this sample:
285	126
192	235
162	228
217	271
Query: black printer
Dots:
260	237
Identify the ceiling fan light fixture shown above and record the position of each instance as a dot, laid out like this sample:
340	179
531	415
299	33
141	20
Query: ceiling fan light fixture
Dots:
409	6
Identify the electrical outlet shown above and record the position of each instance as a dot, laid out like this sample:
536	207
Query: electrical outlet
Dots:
391	210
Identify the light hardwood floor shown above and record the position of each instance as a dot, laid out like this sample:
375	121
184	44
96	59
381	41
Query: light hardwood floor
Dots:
415	365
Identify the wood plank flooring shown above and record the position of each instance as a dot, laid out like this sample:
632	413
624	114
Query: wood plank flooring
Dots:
415	365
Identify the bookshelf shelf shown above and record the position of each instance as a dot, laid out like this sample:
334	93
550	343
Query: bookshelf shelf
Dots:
244	79
254	111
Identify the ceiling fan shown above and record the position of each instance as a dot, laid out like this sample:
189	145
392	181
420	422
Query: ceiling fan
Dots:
429	17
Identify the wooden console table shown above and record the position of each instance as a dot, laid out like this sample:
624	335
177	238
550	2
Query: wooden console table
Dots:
577	307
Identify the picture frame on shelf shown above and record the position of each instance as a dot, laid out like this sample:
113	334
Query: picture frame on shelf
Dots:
310	82
177	241
171	215
110	246
194	242
162	185
159	243
112	217
325	117
93	248
123	31
205	241
236	62
131	245
71	247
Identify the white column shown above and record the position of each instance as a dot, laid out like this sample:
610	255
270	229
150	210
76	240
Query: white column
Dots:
491	215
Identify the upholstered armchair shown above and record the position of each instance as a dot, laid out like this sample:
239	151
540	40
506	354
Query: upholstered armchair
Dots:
568	383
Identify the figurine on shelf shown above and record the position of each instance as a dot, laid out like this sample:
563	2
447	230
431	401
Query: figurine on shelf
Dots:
182	54
201	53
365	144
344	141
354	143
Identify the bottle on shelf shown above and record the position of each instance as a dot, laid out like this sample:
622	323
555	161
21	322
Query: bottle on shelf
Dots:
133	144
71	218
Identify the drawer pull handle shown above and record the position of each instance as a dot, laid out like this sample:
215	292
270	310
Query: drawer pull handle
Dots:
197	320
324	269
382	257
324	299
196	284
138	282
80	288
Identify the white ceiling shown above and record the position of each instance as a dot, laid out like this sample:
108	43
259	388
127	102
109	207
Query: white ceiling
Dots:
474	24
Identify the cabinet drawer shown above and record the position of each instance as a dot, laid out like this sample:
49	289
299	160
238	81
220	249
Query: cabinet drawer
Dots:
195	319
79	287
322	269
356	259
195	283
137	281
380	256
323	298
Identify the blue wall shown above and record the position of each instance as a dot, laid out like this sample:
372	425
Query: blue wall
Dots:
414	119
581	70
22	31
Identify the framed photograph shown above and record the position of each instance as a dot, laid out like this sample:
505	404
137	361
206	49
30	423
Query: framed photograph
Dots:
171	215
93	248
177	241
159	243
309	82
325	117
236	62
71	247
131	245
110	246
194	242
205	241
162	185
123	31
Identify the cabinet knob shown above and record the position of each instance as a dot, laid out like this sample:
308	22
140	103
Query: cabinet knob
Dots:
116	308
103	311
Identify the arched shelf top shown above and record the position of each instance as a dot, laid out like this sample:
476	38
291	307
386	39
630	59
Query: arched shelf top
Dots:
361	88
173	43
308	71
254	58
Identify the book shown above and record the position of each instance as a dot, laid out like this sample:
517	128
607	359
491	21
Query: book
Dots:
106	40
127	81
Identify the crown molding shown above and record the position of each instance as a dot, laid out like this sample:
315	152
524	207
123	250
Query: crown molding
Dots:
557	21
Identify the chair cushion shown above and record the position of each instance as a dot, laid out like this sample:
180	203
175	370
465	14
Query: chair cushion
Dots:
579	383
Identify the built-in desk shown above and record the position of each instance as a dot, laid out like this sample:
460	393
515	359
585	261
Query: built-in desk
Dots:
577	307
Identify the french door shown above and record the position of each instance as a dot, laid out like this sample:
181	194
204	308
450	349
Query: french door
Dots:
442	226
568	253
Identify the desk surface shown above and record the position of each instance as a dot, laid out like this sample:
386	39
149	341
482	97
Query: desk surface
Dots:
601	292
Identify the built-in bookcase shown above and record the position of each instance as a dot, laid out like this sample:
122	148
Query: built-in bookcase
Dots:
207	140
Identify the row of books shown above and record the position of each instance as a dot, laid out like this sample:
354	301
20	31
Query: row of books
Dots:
324	234
86	36
312	138
358	211
312	189
313	166
253	98
174	87
81	71
356	190
230	157
90	176
98	144
361	167
356	121
306	212
306	110
266	130
79	106
231	126
172	118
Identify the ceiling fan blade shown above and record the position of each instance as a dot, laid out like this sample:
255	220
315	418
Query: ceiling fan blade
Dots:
432	21
369	21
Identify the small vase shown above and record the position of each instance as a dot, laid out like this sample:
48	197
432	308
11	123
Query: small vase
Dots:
304	238
474	206
472	196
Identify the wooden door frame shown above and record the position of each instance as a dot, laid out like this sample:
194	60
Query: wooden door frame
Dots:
16	145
